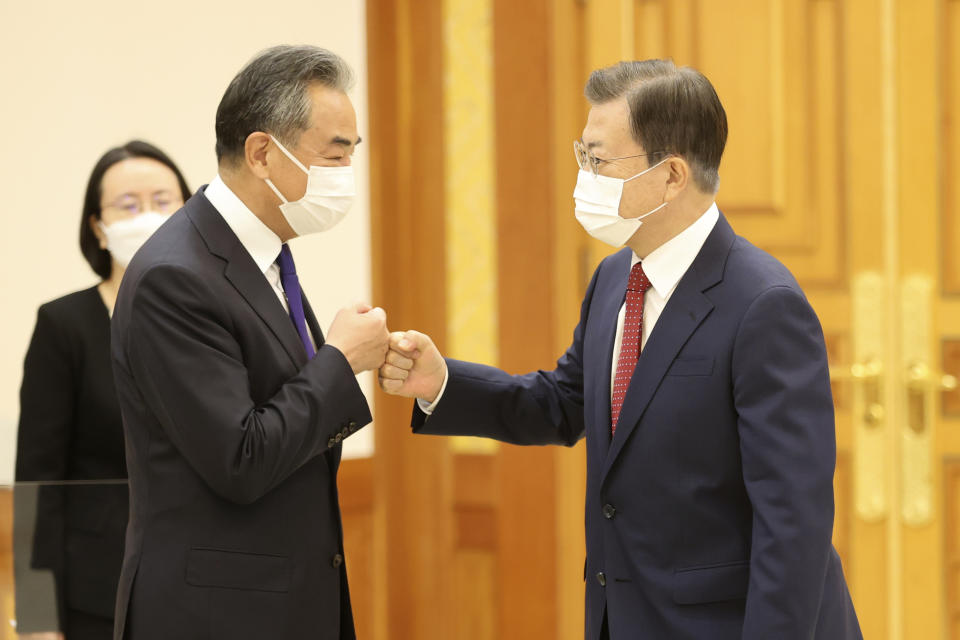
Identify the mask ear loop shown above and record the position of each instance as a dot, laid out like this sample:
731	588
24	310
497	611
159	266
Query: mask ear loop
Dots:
275	190
647	170
292	159
665	203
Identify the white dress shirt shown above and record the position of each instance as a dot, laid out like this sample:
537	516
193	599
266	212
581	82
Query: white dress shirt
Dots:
261	243
664	268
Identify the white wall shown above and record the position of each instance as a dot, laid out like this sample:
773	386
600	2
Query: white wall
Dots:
79	77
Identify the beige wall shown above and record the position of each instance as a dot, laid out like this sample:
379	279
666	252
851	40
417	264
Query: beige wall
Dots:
77	78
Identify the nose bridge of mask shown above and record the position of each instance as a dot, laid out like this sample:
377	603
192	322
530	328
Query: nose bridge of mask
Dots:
597	189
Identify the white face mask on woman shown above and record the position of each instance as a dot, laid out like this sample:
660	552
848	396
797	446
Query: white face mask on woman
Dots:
125	237
329	194
597	207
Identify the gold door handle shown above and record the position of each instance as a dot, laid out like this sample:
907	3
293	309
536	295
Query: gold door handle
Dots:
921	386
868	376
869	420
921	378
869	414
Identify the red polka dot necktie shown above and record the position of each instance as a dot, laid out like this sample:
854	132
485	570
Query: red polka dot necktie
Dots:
637	285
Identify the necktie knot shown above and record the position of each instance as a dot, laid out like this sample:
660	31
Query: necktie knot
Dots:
638	280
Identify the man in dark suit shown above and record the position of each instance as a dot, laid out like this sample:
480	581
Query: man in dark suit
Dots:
698	375
234	404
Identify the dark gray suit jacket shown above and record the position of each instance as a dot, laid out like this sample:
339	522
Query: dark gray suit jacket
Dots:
233	444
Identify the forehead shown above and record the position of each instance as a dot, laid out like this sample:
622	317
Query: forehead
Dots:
608	125
332	115
138	176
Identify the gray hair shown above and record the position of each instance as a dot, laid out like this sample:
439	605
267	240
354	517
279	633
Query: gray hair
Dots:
270	95
673	111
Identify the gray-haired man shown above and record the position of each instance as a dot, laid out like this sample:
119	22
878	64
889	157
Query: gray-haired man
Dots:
234	404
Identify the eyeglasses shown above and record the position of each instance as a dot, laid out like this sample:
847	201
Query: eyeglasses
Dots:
161	202
589	162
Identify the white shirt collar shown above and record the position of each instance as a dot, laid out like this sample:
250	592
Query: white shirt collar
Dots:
667	263
261	243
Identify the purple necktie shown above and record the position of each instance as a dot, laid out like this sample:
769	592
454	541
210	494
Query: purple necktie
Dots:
291	286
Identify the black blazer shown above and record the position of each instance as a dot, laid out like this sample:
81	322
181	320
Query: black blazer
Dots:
233	445
70	429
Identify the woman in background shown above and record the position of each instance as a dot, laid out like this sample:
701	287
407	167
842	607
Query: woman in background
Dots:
70	427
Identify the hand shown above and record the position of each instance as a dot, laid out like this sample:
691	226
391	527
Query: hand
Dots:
414	367
360	333
44	635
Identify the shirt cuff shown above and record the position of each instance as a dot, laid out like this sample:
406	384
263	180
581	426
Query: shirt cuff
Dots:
429	407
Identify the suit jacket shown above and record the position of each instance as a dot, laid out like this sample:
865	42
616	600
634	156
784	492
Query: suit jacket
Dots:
70	430
709	513
233	445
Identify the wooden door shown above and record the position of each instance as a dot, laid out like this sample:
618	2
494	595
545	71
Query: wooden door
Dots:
925	224
842	161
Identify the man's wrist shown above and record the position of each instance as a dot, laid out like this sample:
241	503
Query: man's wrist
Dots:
427	406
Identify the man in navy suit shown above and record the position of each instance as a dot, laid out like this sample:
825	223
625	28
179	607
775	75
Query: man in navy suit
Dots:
698	375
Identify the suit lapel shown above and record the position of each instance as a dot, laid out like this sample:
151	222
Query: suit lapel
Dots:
686	310
245	276
312	321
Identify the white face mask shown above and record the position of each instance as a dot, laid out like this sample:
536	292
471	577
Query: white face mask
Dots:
125	237
328	197
597	207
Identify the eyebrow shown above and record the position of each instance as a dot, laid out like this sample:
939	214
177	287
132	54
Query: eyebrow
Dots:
346	143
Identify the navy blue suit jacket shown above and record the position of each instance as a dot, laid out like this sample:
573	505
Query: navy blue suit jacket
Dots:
709	514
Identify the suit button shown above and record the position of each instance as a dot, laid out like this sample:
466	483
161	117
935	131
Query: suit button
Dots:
609	511
331	443
352	426
345	432
337	561
339	438
602	579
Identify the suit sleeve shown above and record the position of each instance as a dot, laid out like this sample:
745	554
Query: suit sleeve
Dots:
544	407
788	447
192	375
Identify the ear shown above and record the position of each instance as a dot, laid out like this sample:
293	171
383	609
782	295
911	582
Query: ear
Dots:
678	177
255	150
93	221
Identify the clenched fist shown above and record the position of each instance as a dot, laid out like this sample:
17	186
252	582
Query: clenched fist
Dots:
360	333
414	367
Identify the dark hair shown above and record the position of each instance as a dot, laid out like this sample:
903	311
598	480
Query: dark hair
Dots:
98	258
270	95
673	111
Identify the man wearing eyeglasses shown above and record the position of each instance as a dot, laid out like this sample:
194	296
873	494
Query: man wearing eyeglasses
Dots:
698	375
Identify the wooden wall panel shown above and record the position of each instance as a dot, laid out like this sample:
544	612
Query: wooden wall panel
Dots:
355	483
950	364
412	536
950	110
527	525
952	544
475	576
